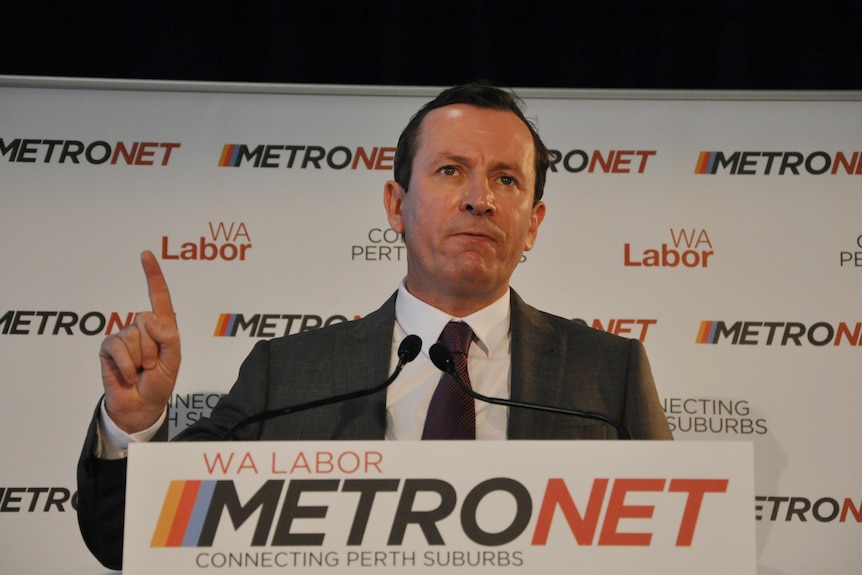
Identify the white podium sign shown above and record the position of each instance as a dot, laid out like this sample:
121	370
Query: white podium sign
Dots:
445	507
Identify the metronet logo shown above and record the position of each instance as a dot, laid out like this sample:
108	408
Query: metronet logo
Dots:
778	163
716	416
779	333
25	150
625	327
30	500
63	322
271	325
192	510
824	510
235	243
607	162
693	257
304	157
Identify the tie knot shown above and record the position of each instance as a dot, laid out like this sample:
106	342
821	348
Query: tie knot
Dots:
457	336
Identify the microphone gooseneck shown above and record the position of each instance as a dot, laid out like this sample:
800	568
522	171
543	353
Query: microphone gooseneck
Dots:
443	359
407	351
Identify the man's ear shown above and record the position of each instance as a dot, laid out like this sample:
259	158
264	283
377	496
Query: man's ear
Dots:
393	201
536	218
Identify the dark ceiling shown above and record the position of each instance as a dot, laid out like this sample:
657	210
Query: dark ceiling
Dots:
735	44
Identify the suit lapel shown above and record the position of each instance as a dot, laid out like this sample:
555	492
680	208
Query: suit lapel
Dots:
538	367
362	360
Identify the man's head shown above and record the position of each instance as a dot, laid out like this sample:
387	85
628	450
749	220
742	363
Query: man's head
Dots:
471	209
479	95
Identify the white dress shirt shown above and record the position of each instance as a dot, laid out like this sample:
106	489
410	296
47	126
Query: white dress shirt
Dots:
488	362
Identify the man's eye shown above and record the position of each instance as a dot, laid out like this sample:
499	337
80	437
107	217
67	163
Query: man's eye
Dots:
507	180
448	170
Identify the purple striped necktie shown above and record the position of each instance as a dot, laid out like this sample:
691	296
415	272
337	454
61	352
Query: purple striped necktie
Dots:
452	413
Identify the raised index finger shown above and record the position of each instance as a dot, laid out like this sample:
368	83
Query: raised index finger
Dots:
160	297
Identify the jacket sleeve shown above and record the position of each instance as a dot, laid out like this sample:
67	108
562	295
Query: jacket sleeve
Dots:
102	498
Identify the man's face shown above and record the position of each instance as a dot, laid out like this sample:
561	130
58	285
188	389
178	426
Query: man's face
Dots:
468	214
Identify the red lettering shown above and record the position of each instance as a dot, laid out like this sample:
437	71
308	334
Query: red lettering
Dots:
617	509
385	159
169	147
622	162
128	155
218	461
696	488
644	154
856	511
247	463
145	153
582	527
300	463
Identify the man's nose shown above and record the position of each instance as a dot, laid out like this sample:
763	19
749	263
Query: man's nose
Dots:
478	197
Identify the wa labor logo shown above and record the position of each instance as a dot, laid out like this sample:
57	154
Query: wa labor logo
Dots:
688	248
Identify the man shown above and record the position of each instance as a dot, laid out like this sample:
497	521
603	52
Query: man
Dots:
469	177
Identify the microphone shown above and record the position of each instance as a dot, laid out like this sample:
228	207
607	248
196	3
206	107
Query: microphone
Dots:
407	352
442	358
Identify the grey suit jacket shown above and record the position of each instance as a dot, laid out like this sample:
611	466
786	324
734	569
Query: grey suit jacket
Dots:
555	362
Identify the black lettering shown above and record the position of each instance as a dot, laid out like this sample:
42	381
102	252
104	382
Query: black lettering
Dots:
21	322
66	320
245	154
313	155
270	157
798	506
27	147
830	333
567	161
225	497
368	490
554	156
292	156
241	323
292	510
330	158
523	511
722	161
71	150
106	147
37	491
426	520
12	147
100	323
809	163
791	161
721	330
793	331
818	514
10	498
267	324
57	497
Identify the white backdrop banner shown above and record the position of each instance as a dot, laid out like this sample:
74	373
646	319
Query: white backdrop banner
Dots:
722	230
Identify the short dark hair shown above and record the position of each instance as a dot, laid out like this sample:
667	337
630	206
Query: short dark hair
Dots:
480	94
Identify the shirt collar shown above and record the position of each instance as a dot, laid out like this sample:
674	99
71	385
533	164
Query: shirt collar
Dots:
490	324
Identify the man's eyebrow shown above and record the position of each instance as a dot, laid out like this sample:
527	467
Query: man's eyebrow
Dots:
451	157
459	159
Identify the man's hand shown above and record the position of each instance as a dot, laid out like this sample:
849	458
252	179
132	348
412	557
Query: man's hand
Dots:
140	363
